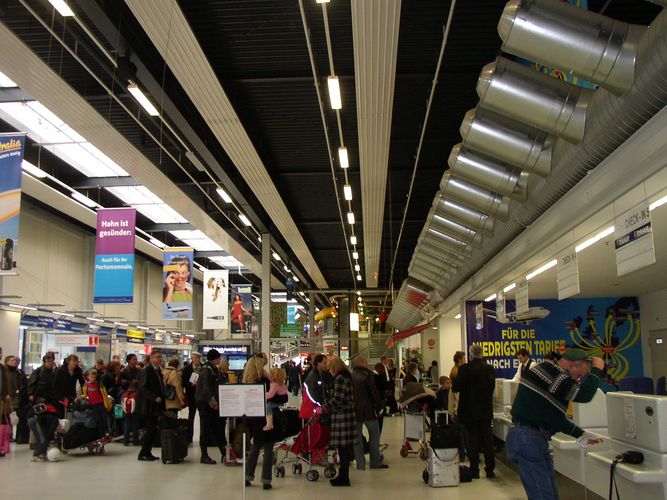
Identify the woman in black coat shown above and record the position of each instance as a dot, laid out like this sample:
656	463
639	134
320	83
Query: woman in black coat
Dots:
261	439
343	422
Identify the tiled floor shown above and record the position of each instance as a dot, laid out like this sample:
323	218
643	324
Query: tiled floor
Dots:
119	475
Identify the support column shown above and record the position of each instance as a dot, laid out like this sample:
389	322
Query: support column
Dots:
311	320
265	334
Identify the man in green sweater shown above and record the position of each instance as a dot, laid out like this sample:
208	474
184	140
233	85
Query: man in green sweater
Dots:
539	411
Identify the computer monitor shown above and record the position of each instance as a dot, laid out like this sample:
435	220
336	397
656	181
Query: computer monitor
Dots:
638	419
237	363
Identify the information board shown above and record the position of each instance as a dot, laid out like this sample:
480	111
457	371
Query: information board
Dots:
242	400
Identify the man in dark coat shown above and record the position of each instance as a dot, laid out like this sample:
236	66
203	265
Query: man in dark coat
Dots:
151	402
212	426
65	381
190	386
475	383
367	406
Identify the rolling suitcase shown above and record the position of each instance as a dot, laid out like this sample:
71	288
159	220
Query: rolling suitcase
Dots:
442	467
174	437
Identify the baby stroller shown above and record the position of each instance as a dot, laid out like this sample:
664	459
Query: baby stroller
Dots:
416	401
83	433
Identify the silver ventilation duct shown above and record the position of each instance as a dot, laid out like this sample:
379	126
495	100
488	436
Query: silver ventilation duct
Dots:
453	229
565	37
426	249
432	264
475	197
478	169
460	213
546	103
416	292
507	140
440	240
425	277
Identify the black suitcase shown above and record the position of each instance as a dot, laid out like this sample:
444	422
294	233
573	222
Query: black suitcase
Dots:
174	441
78	436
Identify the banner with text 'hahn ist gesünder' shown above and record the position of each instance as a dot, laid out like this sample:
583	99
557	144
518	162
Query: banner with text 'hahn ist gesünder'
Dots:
11	158
114	256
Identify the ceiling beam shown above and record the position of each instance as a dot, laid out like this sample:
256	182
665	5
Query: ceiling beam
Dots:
103	182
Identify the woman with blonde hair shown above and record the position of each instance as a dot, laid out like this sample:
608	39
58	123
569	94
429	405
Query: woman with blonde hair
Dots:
261	439
343	424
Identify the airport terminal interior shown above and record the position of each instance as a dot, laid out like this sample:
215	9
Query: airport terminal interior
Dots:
425	186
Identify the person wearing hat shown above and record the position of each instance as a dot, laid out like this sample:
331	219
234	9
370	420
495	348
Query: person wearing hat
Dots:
539	411
212	426
190	376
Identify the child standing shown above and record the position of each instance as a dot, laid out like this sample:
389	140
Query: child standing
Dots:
130	415
97	397
277	377
442	394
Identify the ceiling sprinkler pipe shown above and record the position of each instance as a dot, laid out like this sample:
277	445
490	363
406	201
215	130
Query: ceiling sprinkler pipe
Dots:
507	140
591	46
488	173
464	215
492	204
534	98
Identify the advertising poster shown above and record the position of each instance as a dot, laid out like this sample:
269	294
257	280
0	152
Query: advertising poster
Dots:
240	316
177	283
11	158
114	256
216	299
607	327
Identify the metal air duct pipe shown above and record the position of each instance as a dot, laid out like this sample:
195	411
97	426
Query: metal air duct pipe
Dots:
453	229
475	197
426	278
462	214
440	240
438	265
425	270
546	103
507	140
557	34
427	249
485	172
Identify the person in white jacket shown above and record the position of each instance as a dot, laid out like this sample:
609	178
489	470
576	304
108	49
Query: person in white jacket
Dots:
524	364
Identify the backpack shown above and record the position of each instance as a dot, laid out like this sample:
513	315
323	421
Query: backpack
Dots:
129	403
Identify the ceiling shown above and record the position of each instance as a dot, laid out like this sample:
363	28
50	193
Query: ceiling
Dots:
258	51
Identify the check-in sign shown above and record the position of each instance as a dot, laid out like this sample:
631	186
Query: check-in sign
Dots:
633	240
567	274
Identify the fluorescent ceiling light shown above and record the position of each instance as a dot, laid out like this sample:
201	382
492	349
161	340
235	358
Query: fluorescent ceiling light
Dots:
63	314
657	203
353	240
276	257
5	82
490	298
207	245
27	308
287	269
350	218
83	199
190	234
359	299
62	7
355	255
33	170
358	293
509	288
334	92
295	278
245	220
322	1
354	322
226	261
120	324
458	316
95	319
223	194
343	158
357	267
590	241
540	270
358	277
141	98
307	300
161	214
347	192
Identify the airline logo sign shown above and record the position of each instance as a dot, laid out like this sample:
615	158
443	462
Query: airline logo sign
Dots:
93	340
634	240
136	336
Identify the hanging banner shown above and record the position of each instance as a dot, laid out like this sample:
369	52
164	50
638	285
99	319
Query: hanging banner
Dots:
568	274
634	240
241	311
501	313
114	256
521	297
216	299
177	283
11	159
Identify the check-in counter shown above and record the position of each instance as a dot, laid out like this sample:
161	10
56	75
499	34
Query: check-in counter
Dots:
503	397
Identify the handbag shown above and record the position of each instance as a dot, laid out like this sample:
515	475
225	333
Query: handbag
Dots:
169	392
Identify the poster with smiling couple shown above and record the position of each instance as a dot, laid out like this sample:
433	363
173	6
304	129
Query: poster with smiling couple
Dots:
177	283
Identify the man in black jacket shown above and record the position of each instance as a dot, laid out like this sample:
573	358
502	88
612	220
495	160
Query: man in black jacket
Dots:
475	383
367	405
190	386
151	402
130	373
65	382
211	424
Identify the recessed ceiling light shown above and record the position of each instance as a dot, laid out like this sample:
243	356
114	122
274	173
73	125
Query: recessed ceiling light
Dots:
350	218
355	255
353	240
358	277
223	194
357	267
245	220
141	98
343	158
276	256
62	8
347	192
334	92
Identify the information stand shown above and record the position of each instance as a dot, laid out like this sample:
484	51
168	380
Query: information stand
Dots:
242	400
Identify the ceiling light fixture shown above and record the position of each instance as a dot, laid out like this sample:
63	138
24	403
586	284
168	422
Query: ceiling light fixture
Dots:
276	256
287	269
141	98
458	316
357	267
27	308
295	278
245	220
509	288
83	199
490	298
358	293
540	270
350	218
343	158
657	203
322	1
334	92
5	82
347	191
355	255
223	194
591	241
120	324
95	319
63	314
32	169
62	8
353	240
358	277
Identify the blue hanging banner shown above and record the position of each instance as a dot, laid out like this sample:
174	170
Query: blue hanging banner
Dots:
11	159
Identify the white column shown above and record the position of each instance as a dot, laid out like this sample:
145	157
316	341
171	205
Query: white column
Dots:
264	332
451	340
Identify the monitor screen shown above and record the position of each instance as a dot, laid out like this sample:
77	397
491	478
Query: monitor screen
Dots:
237	362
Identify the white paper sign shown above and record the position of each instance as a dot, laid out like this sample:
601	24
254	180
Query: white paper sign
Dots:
500	306
193	378
521	297
479	316
629	418
239	400
633	237
72	340
567	274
